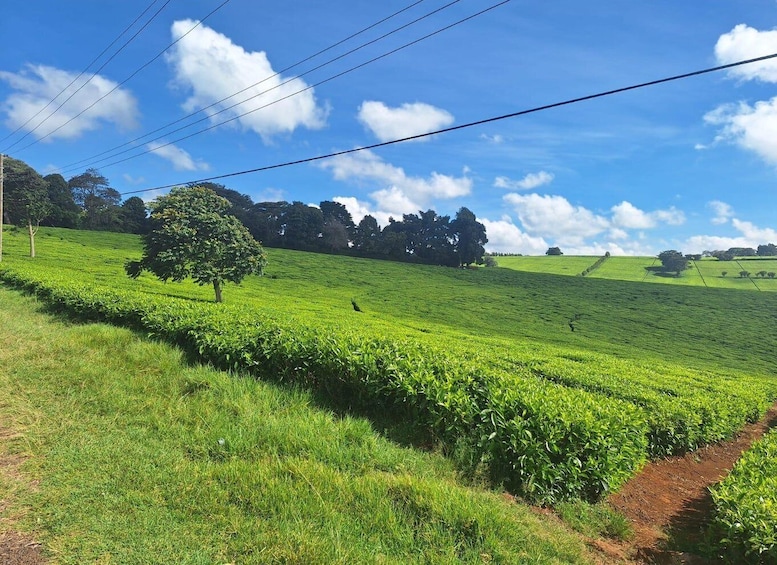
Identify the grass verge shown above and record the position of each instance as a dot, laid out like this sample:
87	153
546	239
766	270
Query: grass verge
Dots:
141	458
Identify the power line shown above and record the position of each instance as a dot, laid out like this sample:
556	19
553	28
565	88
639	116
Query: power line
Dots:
286	69
82	73
224	3
310	87
467	125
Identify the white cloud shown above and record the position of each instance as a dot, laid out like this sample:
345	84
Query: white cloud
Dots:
408	120
626	215
399	193
129	179
505	237
554	217
751	236
496	139
750	127
36	85
529	182
723	212
270	195
213	68
744	42
358	209
180	158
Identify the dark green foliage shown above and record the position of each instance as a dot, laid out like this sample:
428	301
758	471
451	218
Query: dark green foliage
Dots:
469	237
767	250
673	262
192	236
554	251
65	213
134	217
596	265
26	199
100	203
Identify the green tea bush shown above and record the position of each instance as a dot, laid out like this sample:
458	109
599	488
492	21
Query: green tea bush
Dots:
746	506
545	441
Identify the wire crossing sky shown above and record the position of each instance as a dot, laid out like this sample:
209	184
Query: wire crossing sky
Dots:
689	165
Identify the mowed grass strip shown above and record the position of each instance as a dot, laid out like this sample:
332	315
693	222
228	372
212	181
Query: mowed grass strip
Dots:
140	457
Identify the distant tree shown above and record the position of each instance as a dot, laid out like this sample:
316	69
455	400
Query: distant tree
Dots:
724	273
741	252
673	262
553	251
744	274
490	261
100	203
761	274
65	213
367	236
26	197
723	255
133	216
194	236
768	250
770	274
302	227
334	237
336	212
469	237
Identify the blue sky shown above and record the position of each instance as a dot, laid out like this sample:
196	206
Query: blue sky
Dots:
689	165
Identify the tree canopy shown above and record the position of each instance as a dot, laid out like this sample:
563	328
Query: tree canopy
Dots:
26	197
673	261
192	235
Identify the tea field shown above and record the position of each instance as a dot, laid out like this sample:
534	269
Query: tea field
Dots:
554	386
709	273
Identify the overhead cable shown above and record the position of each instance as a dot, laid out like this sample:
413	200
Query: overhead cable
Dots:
465	126
122	83
82	73
205	108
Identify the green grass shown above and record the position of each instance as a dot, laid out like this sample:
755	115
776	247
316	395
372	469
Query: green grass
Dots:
140	457
718	328
705	273
553	265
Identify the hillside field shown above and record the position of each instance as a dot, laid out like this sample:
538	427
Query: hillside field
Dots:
554	387
706	273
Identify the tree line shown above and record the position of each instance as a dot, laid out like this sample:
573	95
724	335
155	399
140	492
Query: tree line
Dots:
87	201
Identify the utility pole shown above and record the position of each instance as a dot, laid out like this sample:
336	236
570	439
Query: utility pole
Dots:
2	174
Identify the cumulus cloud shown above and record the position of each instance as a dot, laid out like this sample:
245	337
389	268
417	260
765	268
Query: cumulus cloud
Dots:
212	67
399	193
505	237
180	158
529	182
750	236
405	121
723	212
750	127
555	217
744	42
626	215
36	85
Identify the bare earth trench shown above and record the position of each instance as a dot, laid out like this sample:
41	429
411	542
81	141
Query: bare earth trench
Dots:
667	498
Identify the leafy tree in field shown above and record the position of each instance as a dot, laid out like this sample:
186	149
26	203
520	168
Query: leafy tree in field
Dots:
768	250
761	274
770	274
334	212
99	201
554	251
744	274
469	237
673	262
65	213
724	273
193	236
26	197
366	238
134	218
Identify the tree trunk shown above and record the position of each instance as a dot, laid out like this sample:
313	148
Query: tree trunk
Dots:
217	289
32	239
